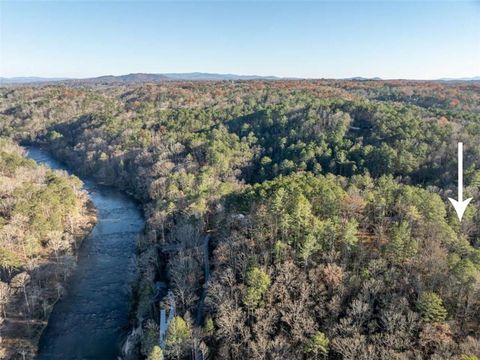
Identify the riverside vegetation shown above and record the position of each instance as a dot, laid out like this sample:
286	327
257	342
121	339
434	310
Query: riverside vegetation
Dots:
325	203
44	215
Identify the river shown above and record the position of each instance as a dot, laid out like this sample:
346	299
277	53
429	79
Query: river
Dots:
91	320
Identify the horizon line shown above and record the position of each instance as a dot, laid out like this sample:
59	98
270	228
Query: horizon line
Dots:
277	77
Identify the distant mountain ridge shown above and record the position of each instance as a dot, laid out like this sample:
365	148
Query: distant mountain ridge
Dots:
361	78
138	78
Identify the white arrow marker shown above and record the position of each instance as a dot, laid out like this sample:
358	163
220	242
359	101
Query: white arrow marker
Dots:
461	204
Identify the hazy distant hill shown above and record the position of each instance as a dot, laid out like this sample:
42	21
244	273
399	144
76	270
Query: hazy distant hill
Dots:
212	76
128	79
28	80
474	78
138	78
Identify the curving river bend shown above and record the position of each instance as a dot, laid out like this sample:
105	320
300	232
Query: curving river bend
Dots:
91	320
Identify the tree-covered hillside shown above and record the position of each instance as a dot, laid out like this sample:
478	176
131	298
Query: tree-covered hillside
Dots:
43	216
290	219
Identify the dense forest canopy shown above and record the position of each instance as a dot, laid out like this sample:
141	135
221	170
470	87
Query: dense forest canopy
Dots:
325	204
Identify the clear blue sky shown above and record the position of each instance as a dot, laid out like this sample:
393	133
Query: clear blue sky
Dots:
390	39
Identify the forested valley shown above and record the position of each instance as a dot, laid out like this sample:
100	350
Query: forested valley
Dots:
289	219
